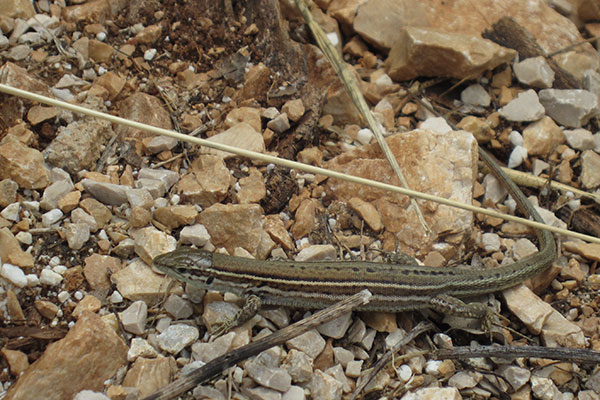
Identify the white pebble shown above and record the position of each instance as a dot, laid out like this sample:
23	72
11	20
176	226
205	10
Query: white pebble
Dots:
101	36
175	199
14	275
51	217
333	38
50	278
149	54
116	297
54	261
511	204
11	212
574	204
102	235
515	138
78	295
60	269
364	136
31	205
24	237
517	156
32	280
63	296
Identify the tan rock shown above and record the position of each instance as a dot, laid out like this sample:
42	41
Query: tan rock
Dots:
208	181
540	317
80	144
344	11
97	269
478	127
591	251
150	242
150	374
306	218
10	250
256	84
99	51
276	229
17	9
8	192
38	114
149	34
19	133
367	212
64	368
17	360
441	164
542	137
234	225
92	11
88	304
99	211
294	109
23	165
576	63
15	76
190	122
139	217
137	281
339	106
380	321
422	52
117	392
176	216
69	201
244	114
382	19
242	136
380	22
355	47
311	156
142	107
502	78
15	312
590	169
46	308
252	188
112	82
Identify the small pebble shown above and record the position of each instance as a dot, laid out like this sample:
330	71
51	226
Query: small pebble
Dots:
51	217
50	278
116	297
13	274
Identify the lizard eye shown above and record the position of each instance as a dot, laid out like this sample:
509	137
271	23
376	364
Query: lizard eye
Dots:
210	280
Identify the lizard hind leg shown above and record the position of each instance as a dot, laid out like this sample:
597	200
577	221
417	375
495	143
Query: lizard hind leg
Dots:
250	309
455	307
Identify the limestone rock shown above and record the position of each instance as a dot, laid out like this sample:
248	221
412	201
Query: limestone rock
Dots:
90	354
234	225
23	165
569	107
142	107
542	137
526	107
441	164
534	72
423	52
379	21
78	145
241	135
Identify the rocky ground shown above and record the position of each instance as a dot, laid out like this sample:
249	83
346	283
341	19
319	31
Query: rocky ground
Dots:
86	204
